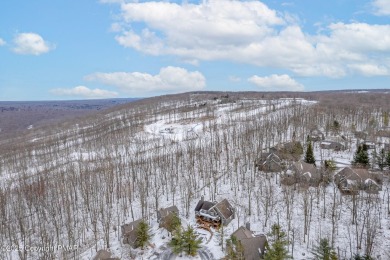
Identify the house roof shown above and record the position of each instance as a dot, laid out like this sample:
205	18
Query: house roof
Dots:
205	205
273	157
166	211
303	167
224	208
354	174
254	245
129	230
243	232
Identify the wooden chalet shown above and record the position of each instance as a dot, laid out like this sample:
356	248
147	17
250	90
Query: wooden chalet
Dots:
129	232
165	216
254	246
351	180
269	162
214	213
302	173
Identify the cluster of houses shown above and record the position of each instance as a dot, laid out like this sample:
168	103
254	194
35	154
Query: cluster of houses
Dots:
283	158
213	213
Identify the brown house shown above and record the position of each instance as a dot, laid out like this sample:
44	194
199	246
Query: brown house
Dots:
104	255
254	246
351	180
333	145
269	162
165	216
225	210
316	135
129	232
370	144
302	173
218	213
290	151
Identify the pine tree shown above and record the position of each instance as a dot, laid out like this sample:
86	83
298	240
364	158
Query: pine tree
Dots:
361	156
185	241
191	242
177	242
172	221
234	248
278	250
143	235
309	157
336	126
323	251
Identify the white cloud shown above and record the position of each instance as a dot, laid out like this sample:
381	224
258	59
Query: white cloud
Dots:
382	7
250	32
31	44
276	83
370	69
84	92
169	79
2	42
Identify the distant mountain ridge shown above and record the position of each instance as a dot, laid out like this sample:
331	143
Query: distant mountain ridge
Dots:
17	116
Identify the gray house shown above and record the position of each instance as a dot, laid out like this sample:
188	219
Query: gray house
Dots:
302	173
217	213
316	135
165	215
254	245
129	232
351	180
290	151
333	145
269	162
370	144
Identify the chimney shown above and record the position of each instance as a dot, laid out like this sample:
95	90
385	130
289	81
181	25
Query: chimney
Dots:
202	198
248	225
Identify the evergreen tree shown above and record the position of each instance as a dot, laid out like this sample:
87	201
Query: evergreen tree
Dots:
172	221
185	241
234	248
324	251
361	156
177	242
336	126
278	250
309	157
143	235
191	242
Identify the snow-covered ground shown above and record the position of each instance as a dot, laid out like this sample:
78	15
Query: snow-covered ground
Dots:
129	169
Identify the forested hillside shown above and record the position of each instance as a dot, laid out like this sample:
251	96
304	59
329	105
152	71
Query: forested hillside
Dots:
73	185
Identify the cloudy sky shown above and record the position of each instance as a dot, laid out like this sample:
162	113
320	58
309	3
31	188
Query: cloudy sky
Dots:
65	49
